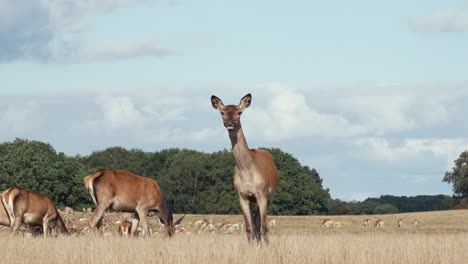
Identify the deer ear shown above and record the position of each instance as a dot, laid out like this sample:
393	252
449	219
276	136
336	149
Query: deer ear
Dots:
245	101
217	103
177	222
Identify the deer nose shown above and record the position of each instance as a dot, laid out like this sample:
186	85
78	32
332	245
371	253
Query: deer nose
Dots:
229	123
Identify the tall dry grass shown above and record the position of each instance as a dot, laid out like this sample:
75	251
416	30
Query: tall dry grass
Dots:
441	238
332	248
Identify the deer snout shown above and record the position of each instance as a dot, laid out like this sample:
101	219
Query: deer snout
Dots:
230	125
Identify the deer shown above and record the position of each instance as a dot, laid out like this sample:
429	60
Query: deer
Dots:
400	223
31	231
328	223
124	191
32	209
379	223
255	174
367	222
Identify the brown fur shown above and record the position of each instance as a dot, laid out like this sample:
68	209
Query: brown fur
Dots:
124	191
125	228
255	173
4	219
327	223
33	209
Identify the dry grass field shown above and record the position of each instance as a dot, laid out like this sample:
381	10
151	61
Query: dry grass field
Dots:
441	237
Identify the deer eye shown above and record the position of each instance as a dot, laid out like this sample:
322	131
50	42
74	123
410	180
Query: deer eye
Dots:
222	113
239	113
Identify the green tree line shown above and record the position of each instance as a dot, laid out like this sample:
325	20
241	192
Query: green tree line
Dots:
389	204
201	183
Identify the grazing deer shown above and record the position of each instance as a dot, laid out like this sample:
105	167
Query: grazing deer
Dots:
198	223
31	231
127	192
255	173
225	225
367	222
237	226
400	223
379	223
73	229
124	228
327	223
31	208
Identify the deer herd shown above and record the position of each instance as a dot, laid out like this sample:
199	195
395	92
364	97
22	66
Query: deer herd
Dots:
379	223
136	198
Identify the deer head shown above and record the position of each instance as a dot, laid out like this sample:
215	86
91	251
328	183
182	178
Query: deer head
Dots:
231	113
171	228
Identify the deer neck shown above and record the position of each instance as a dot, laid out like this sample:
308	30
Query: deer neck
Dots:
240	149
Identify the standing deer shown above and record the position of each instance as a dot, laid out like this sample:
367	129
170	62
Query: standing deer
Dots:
400	223
379	223
367	222
127	192
33	209
255	173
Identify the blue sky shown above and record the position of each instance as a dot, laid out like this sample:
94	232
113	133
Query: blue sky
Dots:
367	90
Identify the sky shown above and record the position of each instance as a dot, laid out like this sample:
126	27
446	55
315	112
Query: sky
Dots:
372	94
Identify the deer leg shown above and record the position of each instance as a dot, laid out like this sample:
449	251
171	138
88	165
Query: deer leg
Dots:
45	227
142	214
96	220
257	224
263	209
134	227
15	224
245	208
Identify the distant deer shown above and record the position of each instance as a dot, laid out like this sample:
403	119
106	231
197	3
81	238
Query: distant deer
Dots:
33	209
400	223
367	222
255	173
416	223
328	223
127	192
379	223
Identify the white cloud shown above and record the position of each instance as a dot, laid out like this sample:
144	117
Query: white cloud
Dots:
442	21
287	115
380	148
54	30
380	113
120	111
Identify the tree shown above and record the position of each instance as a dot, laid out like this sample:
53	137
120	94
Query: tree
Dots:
385	209
117	158
459	175
300	190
